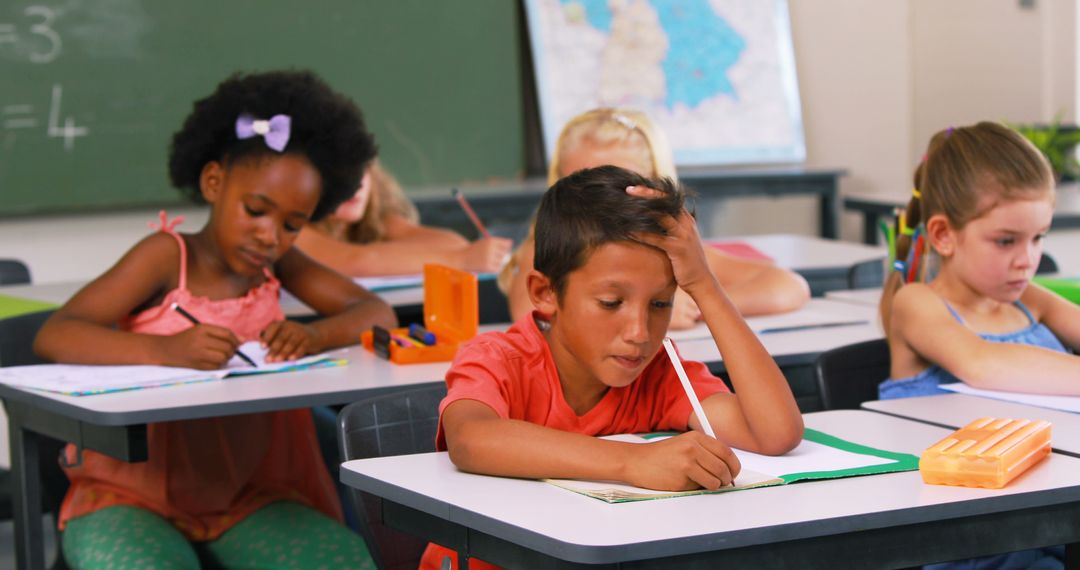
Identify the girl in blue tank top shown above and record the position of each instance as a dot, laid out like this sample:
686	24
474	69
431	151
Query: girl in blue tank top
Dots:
982	203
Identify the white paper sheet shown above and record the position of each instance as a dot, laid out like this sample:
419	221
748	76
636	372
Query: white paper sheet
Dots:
1065	403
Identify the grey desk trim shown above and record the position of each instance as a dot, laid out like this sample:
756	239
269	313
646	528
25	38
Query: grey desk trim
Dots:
1039	518
42	403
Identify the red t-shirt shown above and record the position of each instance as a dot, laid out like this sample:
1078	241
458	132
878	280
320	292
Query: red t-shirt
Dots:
513	373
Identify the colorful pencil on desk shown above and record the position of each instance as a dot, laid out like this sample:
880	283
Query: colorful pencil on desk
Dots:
694	402
460	197
183	313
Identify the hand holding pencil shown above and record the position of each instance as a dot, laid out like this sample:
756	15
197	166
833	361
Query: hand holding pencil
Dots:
203	346
487	254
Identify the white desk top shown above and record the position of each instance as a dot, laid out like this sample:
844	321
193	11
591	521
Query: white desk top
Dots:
956	410
578	528
365	375
785	345
868	297
797	252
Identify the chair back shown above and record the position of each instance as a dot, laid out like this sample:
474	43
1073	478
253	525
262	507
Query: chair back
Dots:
1046	265
14	272
849	375
867	274
399	423
17	338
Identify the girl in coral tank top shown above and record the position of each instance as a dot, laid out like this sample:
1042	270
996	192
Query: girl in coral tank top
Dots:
269	153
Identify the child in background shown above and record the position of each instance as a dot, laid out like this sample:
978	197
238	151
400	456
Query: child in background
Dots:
269	152
529	402
627	138
984	196
378	232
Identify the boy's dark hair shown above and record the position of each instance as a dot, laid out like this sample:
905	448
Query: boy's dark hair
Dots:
327	128
590	208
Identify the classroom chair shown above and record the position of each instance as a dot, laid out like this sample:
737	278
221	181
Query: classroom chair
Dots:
867	274
399	423
849	375
16	349
14	272
1046	265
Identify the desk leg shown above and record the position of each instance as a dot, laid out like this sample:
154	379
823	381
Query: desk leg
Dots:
26	488
1072	556
870	228
830	213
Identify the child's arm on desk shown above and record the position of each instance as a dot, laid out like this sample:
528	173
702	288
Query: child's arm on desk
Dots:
922	323
346	309
83	330
761	415
758	287
480	441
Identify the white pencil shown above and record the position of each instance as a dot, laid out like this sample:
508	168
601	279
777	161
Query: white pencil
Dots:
694	402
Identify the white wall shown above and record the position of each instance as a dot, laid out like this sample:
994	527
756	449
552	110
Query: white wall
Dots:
876	79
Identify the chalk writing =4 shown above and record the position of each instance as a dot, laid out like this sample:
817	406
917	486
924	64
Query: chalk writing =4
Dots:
22	117
42	43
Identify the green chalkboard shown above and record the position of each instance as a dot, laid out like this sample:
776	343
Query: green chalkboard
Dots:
91	91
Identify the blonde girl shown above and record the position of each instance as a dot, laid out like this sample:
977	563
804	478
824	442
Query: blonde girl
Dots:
378	232
627	138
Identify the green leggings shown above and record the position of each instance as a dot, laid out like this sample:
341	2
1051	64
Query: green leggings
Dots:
279	535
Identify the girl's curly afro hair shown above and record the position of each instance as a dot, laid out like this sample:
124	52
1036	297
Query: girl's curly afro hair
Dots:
327	128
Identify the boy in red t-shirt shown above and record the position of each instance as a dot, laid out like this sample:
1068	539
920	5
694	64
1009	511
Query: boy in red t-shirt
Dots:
611	249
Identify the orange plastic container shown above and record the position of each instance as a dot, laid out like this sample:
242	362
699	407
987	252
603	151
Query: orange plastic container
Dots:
451	312
988	452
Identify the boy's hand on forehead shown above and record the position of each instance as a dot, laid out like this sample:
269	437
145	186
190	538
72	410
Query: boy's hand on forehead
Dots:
682	244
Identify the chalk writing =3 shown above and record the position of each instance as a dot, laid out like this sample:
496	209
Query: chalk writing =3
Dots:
21	116
44	43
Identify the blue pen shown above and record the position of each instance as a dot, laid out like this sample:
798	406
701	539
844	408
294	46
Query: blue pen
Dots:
421	334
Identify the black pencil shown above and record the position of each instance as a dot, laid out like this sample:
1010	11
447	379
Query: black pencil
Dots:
194	321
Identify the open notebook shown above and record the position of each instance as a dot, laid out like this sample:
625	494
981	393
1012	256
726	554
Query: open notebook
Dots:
819	456
84	380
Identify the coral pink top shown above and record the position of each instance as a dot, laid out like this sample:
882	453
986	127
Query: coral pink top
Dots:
206	475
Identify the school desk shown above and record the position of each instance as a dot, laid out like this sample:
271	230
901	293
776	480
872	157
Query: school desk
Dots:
507	211
796	351
891	520
957	410
115	424
406	301
58	293
823	262
869	297
874	208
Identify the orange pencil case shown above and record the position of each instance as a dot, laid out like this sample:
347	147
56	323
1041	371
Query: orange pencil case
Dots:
988	452
451	312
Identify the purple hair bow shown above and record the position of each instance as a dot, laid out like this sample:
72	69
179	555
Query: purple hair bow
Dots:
274	131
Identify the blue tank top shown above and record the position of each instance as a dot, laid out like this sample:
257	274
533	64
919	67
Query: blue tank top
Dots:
926	383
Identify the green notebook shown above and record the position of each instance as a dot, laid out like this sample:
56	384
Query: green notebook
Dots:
1068	287
819	456
15	306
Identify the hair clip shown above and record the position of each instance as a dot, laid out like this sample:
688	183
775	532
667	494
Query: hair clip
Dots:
275	131
624	121
899	266
904	229
915	192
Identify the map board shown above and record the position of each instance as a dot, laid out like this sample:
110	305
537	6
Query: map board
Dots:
717	76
